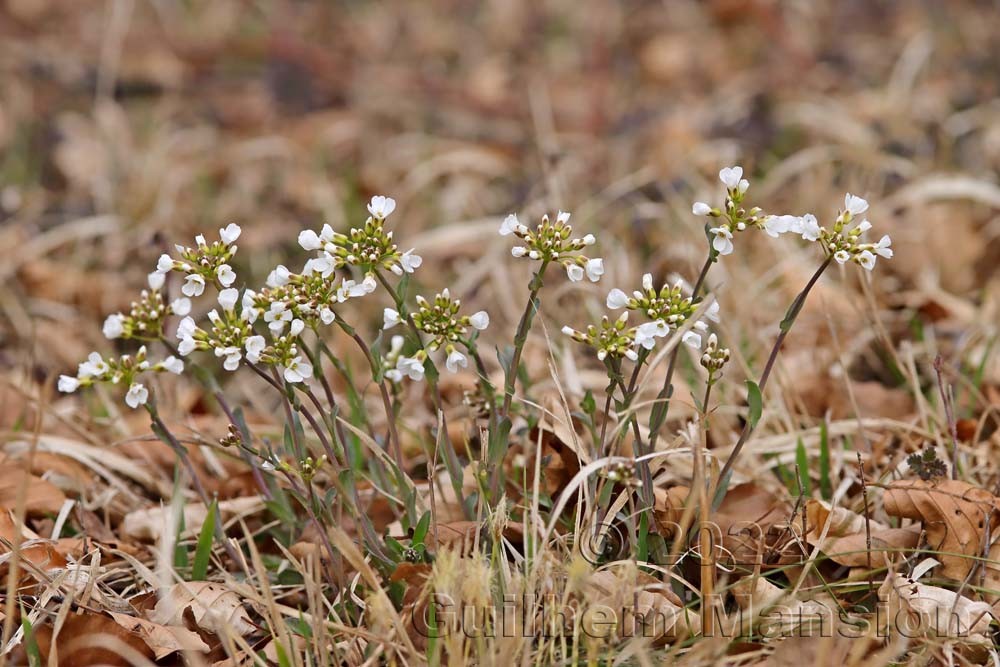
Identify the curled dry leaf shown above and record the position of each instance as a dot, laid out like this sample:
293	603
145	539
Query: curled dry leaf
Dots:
771	611
91	639
162	639
215	608
41	497
955	516
919	610
846	540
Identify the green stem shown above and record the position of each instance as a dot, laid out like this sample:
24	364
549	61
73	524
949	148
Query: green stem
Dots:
521	337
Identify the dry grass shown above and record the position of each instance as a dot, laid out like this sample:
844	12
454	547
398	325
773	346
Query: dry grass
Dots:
128	126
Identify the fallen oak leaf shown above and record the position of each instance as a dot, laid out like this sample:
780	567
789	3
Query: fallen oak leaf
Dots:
213	606
846	541
955	516
161	639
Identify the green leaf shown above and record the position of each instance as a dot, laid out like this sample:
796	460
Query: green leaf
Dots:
420	532
792	313
754	402
30	642
802	460
498	442
825	485
204	549
588	404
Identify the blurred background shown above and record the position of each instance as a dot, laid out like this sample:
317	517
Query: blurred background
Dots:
129	125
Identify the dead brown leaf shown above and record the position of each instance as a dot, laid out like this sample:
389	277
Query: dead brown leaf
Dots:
846	540
215	608
162	639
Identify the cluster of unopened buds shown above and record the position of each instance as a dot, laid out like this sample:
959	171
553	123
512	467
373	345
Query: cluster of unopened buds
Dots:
553	242
145	318
440	320
844	243
714	357
123	372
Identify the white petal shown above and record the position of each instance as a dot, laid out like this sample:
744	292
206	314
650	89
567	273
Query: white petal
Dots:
480	320
194	285
595	269
228	298
509	225
114	326
156	280
390	318
701	208
230	233
180	306
225	274
68	384
617	299
575	272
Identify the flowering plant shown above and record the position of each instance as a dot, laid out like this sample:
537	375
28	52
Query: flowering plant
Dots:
280	333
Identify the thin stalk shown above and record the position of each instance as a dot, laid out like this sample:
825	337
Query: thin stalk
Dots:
521	337
786	326
164	434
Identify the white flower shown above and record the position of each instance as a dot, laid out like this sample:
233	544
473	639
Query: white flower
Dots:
589	239
776	225
137	395
298	326
390	318
165	263
647	333
380	207
701	208
186	346
632	354
854	205
410	367
186	327
309	240
866	259
396	344
326	315
277	315
369	284
455	359
595	269
692	339
232	355
68	384
617	299
808	226
180	306
480	320
194	285
518	251
409	261
322	265
575	272
863	227
228	298
225	275
230	233
882	247
255	346
279	276
94	366
723	241
568	330
730	177
394	375
712	312
563	217
743	185
647	281
250	311
114	326
509	225
156	280
298	370
172	365
841	256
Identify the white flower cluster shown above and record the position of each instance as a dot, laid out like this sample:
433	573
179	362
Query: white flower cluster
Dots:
439	320
370	247
146	316
123	372
667	308
842	243
204	264
552	242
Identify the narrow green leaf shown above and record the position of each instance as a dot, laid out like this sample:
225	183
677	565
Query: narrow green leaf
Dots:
755	402
420	532
802	460
498	442
825	485
204	549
